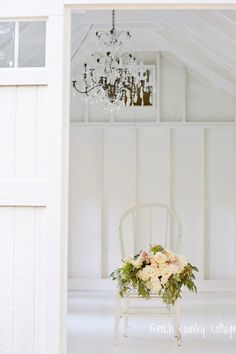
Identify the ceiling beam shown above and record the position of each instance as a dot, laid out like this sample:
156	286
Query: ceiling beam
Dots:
230	15
205	60
173	60
185	54
177	23
212	35
219	22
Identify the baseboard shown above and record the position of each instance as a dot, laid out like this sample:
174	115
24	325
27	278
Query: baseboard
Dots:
78	284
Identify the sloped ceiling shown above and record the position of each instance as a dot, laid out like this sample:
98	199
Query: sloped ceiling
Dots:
202	41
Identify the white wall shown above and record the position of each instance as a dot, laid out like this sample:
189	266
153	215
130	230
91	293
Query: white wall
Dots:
191	168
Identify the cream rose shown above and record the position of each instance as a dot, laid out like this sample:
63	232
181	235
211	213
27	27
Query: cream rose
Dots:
137	263
160	258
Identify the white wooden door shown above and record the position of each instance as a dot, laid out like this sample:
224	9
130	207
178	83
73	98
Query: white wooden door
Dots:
32	219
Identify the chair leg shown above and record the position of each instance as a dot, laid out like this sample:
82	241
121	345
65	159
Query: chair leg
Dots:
126	319
117	318
177	322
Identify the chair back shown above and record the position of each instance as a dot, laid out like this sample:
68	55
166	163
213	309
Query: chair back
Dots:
171	225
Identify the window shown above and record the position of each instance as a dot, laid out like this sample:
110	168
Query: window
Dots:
7	39
22	44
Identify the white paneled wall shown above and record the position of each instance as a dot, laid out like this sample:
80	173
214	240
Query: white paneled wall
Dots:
191	168
23	156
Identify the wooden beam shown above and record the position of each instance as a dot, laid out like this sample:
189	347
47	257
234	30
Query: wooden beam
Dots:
210	34
182	25
230	15
23	193
219	23
196	61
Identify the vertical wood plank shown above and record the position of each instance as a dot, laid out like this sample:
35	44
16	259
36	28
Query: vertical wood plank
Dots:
118	187
152	183
7	132
100	167
24	249
26	114
184	93
40	277
221	193
41	127
6	279
170	227
158	86
188	193
85	212
205	202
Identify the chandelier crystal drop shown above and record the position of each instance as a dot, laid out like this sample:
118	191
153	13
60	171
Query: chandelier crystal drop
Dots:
113	77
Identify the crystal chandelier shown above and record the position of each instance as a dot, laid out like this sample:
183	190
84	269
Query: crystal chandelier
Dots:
113	77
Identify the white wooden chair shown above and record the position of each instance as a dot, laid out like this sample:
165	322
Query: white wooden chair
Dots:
171	222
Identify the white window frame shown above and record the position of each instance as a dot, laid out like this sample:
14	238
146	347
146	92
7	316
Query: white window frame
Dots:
16	75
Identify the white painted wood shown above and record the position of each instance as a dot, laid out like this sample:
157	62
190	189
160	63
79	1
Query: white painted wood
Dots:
175	125
41	139
184	24
118	162
202	33
23	193
30	9
7	132
184	95
40	275
158	85
152	182
100	167
215	104
6	275
188	198
26	114
153	4
24	272
23	76
85	207
205	206
57	208
221	204
171	94
217	21
187	53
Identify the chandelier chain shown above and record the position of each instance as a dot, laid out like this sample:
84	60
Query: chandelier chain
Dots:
113	20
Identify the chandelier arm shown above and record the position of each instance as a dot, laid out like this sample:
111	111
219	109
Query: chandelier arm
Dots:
122	32
86	91
100	33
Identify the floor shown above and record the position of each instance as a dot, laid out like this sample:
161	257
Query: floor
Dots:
208	326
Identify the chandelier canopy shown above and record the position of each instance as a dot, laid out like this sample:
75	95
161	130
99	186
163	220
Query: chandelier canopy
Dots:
113	77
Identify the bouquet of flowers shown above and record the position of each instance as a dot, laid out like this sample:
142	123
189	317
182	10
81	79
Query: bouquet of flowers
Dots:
158	271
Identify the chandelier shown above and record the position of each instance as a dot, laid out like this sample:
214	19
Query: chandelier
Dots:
113	77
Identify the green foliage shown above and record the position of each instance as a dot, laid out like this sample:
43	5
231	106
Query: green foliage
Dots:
156	248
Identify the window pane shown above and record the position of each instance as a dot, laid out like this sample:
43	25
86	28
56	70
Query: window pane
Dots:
32	42
7	34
